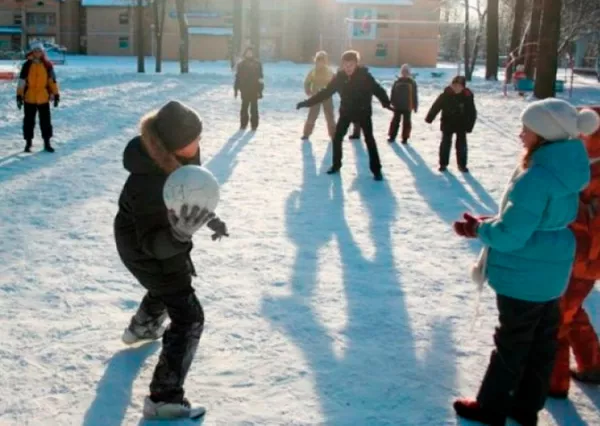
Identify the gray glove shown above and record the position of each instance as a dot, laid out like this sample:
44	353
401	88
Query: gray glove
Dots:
219	228
186	225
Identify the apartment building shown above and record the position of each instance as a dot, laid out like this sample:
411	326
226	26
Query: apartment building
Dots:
289	29
24	21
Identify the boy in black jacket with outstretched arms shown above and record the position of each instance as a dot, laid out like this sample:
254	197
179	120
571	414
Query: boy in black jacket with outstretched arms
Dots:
356	87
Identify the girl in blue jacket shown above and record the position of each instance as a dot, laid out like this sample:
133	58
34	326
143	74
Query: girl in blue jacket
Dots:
527	259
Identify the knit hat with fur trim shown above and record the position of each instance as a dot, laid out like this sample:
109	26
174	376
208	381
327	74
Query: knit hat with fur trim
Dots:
177	125
554	119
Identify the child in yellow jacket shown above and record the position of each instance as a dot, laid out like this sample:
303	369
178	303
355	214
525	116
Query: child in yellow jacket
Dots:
316	80
37	87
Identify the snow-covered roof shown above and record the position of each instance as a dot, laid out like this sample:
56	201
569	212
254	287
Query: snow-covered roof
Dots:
378	2
214	31
112	3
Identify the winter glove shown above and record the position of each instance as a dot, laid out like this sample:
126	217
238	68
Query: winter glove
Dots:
468	227
187	224
219	228
56	100
301	105
19	101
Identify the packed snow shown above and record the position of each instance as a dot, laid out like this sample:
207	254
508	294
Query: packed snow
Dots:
336	300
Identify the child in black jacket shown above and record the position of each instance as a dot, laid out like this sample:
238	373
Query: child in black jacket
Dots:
356	87
459	114
405	100
155	244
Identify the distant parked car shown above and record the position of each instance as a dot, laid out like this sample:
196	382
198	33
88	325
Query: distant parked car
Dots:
48	46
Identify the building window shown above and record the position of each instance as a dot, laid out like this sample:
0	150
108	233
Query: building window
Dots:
363	30
381	50
17	19
42	19
383	16
124	18
123	42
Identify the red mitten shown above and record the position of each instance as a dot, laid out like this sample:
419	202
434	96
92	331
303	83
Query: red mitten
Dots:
468	227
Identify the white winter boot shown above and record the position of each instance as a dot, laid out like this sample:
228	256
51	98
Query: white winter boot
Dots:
171	410
141	329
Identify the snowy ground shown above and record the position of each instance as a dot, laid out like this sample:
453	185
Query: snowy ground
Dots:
336	301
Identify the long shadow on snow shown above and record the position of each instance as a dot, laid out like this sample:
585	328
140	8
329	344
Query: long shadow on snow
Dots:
113	392
223	162
564	413
378	378
444	193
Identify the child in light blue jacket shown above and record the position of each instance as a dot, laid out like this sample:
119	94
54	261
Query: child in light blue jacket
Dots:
527	259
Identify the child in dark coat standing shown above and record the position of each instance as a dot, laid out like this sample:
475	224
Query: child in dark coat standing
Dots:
405	100
356	87
155	245
249	81
459	114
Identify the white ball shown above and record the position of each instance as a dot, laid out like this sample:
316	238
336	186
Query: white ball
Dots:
191	185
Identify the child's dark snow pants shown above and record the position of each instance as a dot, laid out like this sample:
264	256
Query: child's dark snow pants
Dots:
517	380
405	117
180	340
29	121
461	149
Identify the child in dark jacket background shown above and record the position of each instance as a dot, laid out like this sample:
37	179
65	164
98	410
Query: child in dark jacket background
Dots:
459	114
405	100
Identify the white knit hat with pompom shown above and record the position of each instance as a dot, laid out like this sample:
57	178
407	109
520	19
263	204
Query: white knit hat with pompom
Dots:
555	119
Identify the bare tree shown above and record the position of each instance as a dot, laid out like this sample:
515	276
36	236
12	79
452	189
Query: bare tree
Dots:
159	8
236	41
139	10
468	68
547	57
471	56
255	26
492	51
533	35
577	18
515	38
184	37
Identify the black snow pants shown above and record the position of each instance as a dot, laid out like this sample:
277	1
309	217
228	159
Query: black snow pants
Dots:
31	111
252	104
517	380
180	340
366	125
461	149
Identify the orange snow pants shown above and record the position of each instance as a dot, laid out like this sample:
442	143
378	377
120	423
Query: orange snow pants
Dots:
576	332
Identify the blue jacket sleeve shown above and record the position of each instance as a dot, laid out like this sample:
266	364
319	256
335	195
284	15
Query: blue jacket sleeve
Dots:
527	201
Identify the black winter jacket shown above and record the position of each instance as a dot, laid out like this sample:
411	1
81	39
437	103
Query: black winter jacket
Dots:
404	95
142	230
249	79
356	93
458	111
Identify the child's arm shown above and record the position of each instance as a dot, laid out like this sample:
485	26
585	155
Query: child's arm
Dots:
471	112
322	95
308	83
522	215
415	95
379	92
435	108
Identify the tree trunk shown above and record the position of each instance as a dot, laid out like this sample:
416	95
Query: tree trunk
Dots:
547	57
532	38
141	66
492	51
515	38
468	69
160	9
310	34
183	37
476	44
236	41
255	26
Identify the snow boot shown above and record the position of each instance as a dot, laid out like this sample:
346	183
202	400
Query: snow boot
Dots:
391	140
378	176
333	170
463	170
48	146
558	394
471	410
404	141
28	144
591	377
443	169
142	327
171	410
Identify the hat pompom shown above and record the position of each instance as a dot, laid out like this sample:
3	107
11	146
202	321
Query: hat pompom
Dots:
588	121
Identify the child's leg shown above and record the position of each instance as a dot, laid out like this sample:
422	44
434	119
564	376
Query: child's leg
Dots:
309	125
570	305
29	122
366	125
340	131
356	131
532	392
254	116
180	342
329	117
445	146
461	150
244	117
394	126
147	323
514	339
582	336
406	125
